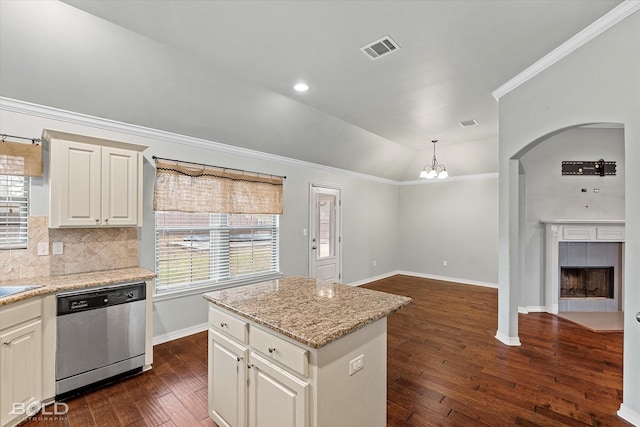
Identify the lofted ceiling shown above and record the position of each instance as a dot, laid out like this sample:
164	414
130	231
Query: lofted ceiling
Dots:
452	55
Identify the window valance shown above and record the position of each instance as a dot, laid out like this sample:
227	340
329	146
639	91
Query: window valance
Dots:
187	187
20	159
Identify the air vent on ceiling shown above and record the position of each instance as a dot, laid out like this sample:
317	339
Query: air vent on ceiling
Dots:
380	47
467	123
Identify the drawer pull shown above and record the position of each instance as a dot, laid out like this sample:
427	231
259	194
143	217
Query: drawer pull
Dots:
272	349
223	325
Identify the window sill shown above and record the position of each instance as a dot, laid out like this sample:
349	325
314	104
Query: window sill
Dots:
203	289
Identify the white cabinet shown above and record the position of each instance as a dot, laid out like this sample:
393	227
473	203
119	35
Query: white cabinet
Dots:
93	182
259	378
20	361
249	388
276	398
228	394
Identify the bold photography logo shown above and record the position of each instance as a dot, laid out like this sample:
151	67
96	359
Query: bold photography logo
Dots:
32	408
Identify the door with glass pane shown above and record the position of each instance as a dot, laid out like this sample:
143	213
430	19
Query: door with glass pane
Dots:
324	237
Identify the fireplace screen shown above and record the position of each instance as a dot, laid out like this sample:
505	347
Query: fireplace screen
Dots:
586	282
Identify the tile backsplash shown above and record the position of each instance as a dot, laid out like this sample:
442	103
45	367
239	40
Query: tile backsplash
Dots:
85	250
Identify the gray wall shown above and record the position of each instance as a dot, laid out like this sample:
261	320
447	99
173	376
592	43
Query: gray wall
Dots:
370	209
597	83
453	221
549	195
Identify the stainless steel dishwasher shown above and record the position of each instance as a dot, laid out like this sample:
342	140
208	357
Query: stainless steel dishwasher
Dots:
100	334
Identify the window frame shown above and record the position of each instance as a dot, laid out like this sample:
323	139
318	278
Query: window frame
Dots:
219	267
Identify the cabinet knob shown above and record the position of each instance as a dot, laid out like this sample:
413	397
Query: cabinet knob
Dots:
638	316
272	349
238	358
223	325
7	343
98	221
106	220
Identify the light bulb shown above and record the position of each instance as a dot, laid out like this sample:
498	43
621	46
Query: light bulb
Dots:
443	175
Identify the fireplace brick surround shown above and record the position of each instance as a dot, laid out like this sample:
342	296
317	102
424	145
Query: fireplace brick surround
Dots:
583	244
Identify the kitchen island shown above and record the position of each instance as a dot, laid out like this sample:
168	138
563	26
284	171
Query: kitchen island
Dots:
299	352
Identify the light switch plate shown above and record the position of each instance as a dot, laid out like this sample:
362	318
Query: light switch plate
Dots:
43	248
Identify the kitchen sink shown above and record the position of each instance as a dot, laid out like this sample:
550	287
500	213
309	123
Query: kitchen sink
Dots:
11	290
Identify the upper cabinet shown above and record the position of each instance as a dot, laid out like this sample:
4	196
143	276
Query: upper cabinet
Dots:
93	182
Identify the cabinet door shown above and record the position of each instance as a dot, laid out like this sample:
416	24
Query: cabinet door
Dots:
119	187
276	398
227	381
75	184
21	369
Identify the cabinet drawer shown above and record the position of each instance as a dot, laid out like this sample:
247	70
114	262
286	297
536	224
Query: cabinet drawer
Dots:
279	350
228	324
19	312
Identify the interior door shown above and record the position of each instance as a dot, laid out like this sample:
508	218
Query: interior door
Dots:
325	259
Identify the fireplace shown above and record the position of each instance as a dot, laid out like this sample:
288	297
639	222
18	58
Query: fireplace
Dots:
587	282
584	264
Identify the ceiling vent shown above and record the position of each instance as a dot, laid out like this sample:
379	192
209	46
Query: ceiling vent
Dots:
379	48
467	123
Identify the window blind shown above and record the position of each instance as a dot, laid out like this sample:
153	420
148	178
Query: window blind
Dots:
186	187
198	249
20	159
14	211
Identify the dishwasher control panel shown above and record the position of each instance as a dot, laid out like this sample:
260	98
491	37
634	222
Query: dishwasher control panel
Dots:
89	299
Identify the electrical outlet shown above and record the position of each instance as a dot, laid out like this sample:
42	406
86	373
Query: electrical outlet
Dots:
43	248
445	263
356	364
58	248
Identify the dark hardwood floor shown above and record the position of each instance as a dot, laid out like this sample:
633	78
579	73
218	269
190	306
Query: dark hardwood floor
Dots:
445	368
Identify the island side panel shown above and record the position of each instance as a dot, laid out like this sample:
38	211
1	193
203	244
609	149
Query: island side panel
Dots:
343	400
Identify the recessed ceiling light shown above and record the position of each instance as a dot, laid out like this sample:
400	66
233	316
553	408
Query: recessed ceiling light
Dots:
301	87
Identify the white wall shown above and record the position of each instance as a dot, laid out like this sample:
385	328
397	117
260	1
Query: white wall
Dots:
597	83
549	195
453	221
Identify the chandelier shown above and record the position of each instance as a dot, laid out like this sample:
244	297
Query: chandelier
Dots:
435	170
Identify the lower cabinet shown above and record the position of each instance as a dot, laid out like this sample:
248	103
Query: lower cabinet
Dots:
250	388
20	362
258	378
276	398
228	393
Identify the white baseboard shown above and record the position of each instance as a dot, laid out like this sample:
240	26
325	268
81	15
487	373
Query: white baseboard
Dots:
181	333
510	341
532	309
372	279
629	415
448	279
424	276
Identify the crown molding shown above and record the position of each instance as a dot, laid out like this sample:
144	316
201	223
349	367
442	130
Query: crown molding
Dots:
614	16
472	177
52	113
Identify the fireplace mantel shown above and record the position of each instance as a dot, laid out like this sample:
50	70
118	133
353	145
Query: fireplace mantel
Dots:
572	230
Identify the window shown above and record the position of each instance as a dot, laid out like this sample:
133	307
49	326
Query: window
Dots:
199	249
14	211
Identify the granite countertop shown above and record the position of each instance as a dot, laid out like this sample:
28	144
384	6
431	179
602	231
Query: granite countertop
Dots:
311	312
53	284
